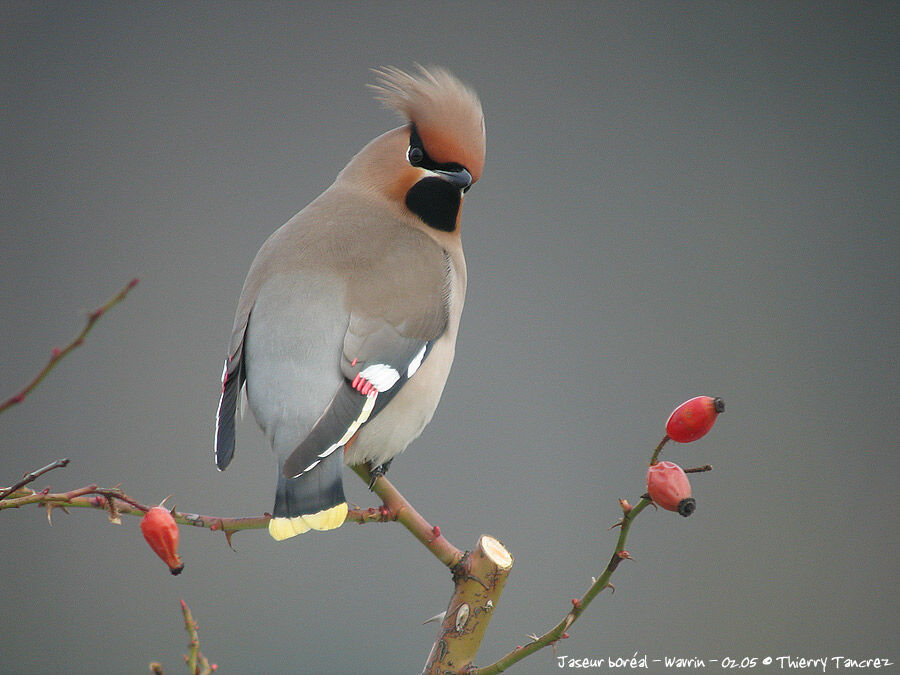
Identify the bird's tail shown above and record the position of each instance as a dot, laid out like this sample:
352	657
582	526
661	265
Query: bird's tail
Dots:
313	501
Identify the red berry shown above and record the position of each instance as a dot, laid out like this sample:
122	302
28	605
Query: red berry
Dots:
668	486
161	532
694	418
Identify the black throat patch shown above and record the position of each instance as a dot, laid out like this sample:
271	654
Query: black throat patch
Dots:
436	202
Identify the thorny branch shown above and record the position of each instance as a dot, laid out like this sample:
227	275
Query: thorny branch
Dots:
579	605
58	354
29	477
197	663
117	503
396	507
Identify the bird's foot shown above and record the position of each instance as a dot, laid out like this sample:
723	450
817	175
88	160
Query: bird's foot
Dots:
377	471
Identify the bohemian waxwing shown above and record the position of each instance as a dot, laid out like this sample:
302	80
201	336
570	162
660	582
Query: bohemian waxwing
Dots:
346	325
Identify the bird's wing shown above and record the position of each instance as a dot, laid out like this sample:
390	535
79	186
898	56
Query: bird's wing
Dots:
381	351
233	377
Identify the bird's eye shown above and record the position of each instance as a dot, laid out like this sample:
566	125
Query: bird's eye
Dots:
415	155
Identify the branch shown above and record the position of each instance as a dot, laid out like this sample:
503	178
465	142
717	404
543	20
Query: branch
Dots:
58	354
116	503
197	663
29	477
558	632
479	580
397	508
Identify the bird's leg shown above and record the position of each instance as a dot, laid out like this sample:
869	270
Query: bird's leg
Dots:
379	470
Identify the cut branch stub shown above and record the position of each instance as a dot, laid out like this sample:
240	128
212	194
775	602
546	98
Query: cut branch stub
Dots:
479	578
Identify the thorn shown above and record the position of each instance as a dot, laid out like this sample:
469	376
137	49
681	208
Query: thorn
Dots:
593	580
534	638
564	636
436	617
612	589
624	555
164	500
616	524
228	535
49	508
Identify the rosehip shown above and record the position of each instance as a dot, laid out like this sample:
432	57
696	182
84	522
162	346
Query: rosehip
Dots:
668	486
161	532
694	418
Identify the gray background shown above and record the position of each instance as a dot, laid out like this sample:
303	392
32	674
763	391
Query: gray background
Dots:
679	199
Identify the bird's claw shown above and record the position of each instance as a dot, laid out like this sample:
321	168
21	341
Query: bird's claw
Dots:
375	472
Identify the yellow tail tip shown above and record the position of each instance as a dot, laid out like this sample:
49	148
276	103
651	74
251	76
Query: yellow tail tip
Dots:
327	519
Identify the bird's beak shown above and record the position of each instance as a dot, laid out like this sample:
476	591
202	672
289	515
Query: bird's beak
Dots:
461	179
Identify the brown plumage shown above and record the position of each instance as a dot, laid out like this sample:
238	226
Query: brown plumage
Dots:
346	326
446	112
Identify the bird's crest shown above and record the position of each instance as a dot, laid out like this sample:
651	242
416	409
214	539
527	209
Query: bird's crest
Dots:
447	114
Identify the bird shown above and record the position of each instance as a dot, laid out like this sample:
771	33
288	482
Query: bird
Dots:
346	326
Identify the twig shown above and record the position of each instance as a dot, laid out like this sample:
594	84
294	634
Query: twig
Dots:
196	662
29	477
397	508
558	632
115	502
699	469
58	354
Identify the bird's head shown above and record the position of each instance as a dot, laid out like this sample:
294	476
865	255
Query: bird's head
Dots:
427	164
